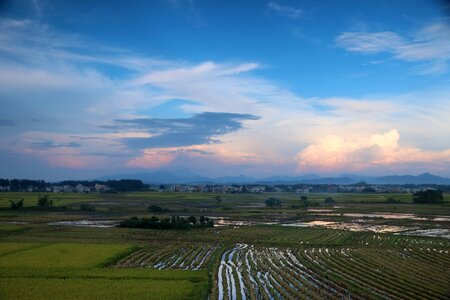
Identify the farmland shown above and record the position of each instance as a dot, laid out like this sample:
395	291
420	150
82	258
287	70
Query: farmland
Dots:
76	271
360	247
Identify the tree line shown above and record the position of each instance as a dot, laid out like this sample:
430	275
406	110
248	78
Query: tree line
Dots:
123	185
174	222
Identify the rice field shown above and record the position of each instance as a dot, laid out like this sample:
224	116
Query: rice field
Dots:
62	255
186	257
81	271
249	272
262	253
59	199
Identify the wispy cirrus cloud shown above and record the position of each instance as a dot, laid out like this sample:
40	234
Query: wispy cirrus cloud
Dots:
284	10
430	46
51	144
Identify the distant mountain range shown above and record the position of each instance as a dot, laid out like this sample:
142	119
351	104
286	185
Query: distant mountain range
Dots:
186	176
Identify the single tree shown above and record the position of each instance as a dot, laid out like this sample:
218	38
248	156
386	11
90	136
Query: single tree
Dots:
329	201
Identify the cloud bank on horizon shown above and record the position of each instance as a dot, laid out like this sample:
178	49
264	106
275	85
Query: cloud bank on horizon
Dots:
88	89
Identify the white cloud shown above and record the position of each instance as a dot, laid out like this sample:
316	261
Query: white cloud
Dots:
430	46
55	80
284	10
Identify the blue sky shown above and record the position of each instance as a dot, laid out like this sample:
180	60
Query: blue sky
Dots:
90	88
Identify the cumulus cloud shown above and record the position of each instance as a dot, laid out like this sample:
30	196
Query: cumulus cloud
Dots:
430	46
356	153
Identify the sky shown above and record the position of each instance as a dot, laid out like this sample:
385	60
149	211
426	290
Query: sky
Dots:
224	88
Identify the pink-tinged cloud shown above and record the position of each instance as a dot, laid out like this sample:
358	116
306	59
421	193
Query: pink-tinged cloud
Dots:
160	157
339	153
67	157
76	162
154	158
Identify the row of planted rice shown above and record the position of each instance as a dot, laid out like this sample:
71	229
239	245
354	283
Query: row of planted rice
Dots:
270	273
313	236
248	272
409	273
187	257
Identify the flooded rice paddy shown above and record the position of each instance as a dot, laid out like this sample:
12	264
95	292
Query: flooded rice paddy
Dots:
87	223
357	225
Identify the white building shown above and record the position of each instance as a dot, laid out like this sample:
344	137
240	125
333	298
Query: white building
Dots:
58	189
82	189
101	188
5	189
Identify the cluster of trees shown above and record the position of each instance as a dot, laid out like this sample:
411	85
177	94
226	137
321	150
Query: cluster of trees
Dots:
42	202
273	202
174	222
17	185
123	185
428	196
329	201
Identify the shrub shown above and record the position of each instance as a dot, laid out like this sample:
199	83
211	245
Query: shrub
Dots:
157	209
392	200
16	205
86	207
44	201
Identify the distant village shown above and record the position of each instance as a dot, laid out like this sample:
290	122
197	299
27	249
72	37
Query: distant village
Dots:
127	185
